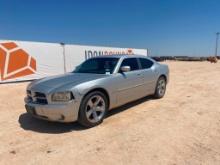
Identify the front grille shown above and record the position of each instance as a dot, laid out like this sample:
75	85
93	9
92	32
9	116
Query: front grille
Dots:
37	97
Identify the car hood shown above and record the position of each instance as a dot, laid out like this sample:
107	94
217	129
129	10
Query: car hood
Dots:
46	85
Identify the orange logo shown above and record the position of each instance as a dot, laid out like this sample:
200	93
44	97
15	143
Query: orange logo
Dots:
130	51
15	62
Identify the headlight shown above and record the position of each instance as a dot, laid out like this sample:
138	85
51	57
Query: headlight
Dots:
62	96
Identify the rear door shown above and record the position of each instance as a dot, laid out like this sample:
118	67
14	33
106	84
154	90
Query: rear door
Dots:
149	76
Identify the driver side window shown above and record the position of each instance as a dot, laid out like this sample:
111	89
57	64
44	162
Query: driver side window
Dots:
132	62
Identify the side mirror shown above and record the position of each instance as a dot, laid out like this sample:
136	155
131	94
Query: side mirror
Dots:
125	68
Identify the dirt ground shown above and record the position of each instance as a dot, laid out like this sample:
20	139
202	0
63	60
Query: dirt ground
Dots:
181	128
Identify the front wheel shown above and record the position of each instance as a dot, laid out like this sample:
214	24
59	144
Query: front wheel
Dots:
93	109
160	88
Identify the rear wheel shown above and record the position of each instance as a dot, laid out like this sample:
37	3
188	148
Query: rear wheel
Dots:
93	109
160	88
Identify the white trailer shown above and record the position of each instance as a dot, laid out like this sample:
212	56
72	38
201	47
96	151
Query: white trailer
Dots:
24	60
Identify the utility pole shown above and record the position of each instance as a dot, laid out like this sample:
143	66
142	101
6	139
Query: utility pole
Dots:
64	56
216	44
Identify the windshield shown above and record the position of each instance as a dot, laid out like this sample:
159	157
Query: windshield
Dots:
97	66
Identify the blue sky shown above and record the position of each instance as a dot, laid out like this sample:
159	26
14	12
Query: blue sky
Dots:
165	27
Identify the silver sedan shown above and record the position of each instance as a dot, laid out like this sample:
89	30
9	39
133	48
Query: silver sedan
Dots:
97	85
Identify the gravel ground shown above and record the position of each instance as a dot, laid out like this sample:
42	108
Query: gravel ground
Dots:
181	128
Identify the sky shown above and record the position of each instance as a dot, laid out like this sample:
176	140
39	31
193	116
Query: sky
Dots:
164	27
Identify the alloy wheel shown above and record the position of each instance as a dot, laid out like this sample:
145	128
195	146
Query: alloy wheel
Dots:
95	109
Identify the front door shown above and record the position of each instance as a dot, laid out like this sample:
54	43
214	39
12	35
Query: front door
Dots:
129	84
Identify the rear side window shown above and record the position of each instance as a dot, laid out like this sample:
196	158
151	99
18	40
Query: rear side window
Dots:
132	62
145	63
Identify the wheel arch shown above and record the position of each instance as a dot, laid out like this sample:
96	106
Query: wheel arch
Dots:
164	76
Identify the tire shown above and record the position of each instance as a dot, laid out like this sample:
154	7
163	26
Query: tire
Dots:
91	114
160	88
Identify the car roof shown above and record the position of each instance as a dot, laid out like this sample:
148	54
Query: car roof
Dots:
122	56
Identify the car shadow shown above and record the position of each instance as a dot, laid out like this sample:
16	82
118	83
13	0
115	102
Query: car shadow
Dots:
27	122
127	106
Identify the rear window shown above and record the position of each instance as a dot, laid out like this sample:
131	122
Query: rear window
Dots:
145	63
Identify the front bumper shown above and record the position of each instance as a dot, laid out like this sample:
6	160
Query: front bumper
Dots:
65	112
